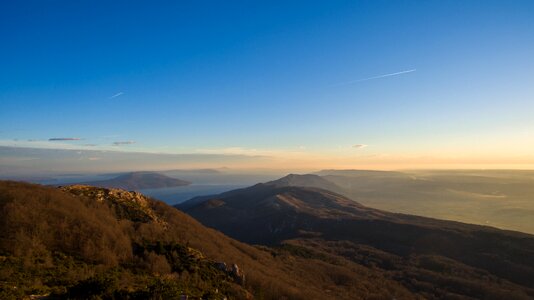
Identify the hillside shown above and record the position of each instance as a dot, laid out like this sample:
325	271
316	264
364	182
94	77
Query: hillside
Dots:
83	242
431	257
139	180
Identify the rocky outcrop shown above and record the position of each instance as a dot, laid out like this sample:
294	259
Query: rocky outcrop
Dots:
234	271
132	206
237	274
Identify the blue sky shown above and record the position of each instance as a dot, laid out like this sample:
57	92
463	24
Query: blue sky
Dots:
280	79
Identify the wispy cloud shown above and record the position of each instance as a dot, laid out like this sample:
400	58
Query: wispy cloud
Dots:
117	95
230	150
123	143
64	139
359	146
375	77
283	153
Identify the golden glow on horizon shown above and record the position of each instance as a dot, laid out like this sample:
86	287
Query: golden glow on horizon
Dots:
514	151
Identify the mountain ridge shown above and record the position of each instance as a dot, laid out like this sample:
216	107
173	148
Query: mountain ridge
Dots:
273	215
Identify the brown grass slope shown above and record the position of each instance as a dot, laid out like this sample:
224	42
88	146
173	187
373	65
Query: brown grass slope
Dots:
70	241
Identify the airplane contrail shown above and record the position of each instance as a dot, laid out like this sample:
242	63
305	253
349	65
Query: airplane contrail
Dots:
116	95
375	77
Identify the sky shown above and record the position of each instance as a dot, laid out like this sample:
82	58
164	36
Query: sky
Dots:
281	84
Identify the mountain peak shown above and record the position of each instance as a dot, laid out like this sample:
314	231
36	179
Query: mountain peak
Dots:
276	205
305	180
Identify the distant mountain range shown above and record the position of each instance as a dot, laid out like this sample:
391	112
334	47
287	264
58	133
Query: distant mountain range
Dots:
191	171
139	181
498	198
442	257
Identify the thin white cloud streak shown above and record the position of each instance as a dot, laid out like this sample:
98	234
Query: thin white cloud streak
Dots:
375	77
40	144
231	151
253	152
119	143
64	139
359	146
117	95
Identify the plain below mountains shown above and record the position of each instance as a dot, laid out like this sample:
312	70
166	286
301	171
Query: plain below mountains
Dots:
135	181
498	198
433	258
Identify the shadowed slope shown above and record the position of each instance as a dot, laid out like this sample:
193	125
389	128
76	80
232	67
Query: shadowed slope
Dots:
318	219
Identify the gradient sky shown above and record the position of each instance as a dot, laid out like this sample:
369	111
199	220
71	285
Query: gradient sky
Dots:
371	84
